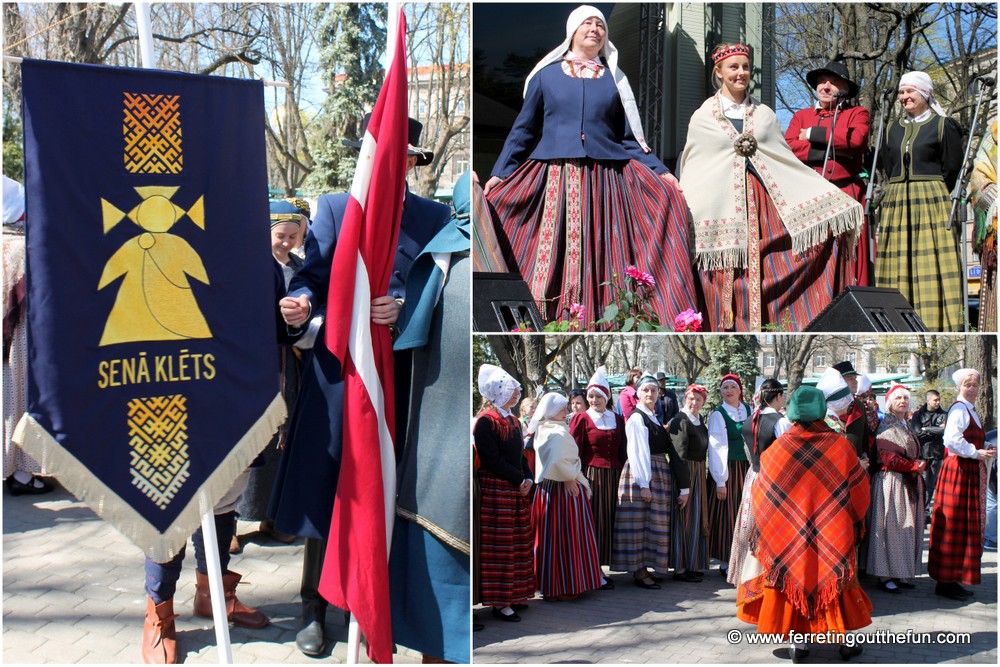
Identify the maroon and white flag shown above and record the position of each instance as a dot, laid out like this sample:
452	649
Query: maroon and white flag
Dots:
355	574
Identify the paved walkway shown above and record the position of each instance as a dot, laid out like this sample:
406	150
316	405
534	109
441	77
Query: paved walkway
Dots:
691	623
73	593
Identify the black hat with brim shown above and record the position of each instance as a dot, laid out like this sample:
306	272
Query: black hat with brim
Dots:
414	129
837	69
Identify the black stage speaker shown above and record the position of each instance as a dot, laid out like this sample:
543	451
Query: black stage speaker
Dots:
500	301
867	309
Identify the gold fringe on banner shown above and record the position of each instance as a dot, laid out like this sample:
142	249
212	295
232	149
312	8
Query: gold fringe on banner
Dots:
108	505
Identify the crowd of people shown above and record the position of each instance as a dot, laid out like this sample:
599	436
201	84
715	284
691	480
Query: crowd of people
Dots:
776	230
794	499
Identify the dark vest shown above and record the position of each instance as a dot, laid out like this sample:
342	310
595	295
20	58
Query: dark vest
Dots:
765	436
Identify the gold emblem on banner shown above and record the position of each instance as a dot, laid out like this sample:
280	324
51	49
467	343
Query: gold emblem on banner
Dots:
155	300
152	131
157	431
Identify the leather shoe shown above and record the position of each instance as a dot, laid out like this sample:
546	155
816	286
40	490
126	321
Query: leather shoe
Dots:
656	578
798	654
512	618
964	591
267	528
848	652
236	612
17	488
159	637
904	584
608	585
641	583
519	606
311	640
687	577
951	592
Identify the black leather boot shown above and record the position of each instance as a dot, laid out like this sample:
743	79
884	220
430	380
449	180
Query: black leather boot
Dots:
311	639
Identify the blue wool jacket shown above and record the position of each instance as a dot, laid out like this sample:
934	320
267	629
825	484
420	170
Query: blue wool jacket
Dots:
564	117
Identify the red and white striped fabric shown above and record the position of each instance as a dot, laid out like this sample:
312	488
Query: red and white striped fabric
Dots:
355	573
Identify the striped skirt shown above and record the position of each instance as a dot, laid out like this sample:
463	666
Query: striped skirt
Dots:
745	525
918	256
896	525
956	547
569	225
506	569
642	530
722	514
778	287
604	502
565	550
689	526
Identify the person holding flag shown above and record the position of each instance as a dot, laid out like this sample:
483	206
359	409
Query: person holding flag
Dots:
365	254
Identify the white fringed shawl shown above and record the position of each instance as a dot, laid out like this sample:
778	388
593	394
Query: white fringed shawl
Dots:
713	178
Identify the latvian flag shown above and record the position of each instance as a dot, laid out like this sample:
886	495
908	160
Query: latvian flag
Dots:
355	575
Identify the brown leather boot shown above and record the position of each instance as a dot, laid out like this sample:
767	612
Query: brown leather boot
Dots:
159	638
237	612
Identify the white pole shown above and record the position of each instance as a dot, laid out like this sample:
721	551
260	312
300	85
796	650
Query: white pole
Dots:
145	31
353	629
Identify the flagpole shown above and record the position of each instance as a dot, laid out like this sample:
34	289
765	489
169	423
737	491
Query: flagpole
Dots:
219	618
353	629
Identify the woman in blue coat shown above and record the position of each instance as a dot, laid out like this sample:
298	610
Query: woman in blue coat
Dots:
578	196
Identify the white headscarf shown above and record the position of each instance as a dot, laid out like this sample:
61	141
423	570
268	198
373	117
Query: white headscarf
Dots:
599	381
864	383
921	82
959	376
548	407
610	55
13	201
497	385
837	393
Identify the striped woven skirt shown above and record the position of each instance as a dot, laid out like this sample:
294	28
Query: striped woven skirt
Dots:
507	572
569	225
642	530
918	256
722	514
778	287
745	525
566	560
604	502
956	548
689	526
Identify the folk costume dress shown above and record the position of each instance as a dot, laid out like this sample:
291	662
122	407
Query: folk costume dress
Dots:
983	195
843	169
809	503
764	427
778	249
566	559
642	529
506	565
917	255
580	198
728	465
896	519
959	520
689	525
601	439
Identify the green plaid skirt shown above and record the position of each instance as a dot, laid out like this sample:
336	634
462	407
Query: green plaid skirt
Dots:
918	256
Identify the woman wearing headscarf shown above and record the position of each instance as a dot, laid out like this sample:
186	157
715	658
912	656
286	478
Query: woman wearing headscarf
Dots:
958	521
645	493
507	575
896	518
772	239
566	562
577	193
809	502
765	425
921	157
600	435
728	465
689	524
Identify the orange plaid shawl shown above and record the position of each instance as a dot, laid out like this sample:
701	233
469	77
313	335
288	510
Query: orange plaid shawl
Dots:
809	502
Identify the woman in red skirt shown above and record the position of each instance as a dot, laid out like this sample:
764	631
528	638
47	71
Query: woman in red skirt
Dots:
507	577
578	195
958	521
772	238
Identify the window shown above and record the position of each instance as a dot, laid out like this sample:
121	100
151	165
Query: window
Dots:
422	108
769	361
820	360
853	358
768	339
460	107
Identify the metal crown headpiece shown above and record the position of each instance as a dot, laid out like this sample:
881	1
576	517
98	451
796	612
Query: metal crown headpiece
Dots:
729	50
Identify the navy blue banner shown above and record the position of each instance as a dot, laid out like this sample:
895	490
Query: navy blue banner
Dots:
151	297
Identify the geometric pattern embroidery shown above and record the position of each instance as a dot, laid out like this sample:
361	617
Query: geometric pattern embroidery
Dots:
152	134
157	431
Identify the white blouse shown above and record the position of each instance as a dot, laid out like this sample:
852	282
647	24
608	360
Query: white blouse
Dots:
954	429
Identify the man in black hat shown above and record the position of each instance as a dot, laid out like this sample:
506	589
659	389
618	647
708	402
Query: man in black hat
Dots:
855	420
302	502
808	135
